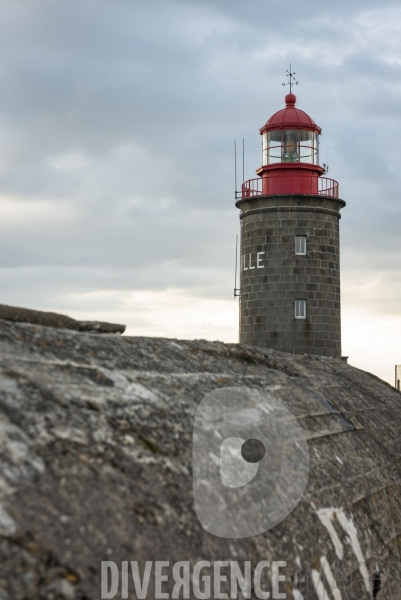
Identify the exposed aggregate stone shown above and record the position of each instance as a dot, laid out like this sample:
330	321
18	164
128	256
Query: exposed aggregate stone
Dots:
96	460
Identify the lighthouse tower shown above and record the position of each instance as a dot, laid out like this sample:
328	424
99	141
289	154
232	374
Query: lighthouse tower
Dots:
290	253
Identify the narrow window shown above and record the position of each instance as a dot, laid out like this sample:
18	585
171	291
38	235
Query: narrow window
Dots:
300	309
300	244
398	384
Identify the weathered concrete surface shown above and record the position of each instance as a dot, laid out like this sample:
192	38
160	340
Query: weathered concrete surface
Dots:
50	319
95	442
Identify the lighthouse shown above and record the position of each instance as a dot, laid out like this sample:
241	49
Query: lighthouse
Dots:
290	248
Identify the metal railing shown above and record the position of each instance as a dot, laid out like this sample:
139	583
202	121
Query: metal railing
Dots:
328	187
254	187
250	188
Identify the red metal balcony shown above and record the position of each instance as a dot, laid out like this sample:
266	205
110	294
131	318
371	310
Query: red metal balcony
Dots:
254	187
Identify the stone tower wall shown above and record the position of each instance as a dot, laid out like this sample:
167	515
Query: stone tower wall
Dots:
273	276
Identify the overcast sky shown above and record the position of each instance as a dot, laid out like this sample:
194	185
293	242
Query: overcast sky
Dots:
117	121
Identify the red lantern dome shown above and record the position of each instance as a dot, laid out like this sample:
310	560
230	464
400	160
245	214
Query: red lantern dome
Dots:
290	117
290	156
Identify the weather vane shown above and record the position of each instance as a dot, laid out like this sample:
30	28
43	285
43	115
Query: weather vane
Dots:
291	79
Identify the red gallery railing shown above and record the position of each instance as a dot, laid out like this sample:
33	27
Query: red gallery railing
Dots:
254	187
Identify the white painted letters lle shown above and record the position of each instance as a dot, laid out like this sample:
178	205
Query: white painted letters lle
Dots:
248	260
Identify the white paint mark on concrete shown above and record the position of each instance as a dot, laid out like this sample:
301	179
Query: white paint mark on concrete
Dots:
326	516
296	594
331	582
350	528
319	585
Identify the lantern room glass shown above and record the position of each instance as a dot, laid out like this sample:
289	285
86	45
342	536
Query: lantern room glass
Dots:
290	145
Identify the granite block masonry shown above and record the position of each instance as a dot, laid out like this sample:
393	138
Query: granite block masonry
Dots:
273	276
